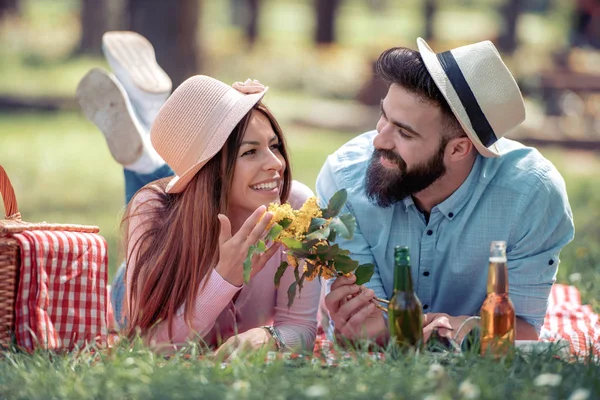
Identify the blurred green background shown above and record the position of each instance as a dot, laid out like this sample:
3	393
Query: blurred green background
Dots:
321	89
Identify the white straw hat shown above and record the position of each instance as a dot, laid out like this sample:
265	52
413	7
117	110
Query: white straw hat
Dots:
195	122
480	90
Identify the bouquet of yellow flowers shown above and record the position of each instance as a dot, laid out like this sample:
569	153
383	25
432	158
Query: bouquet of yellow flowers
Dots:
307	234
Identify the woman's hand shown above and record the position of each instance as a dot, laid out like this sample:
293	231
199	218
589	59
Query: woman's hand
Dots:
252	339
233	250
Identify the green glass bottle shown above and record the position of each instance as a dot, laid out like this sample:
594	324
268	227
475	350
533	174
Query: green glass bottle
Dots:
405	315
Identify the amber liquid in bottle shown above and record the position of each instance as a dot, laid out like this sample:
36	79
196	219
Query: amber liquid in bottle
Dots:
498	319
405	316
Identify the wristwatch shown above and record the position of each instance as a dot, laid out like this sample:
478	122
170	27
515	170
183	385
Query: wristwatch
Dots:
274	332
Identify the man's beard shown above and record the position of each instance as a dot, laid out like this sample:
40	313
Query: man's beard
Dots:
386	187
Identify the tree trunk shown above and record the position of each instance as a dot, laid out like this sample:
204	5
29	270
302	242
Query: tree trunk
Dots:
429	7
172	28
510	14
325	29
94	17
8	7
252	22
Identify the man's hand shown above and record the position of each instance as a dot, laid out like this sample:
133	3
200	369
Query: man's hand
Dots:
354	315
447	325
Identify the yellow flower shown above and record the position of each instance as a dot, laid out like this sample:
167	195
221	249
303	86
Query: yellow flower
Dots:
309	210
280	212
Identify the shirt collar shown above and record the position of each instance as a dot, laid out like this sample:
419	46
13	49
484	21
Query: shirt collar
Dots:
457	200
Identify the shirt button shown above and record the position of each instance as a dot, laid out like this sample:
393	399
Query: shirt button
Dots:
430	232
425	307
450	215
550	262
426	273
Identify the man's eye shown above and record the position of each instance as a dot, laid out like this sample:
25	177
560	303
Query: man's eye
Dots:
403	134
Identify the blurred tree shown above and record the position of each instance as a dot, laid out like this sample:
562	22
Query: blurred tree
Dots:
8	7
585	26
429	7
510	10
172	28
252	24
326	11
95	17
245	14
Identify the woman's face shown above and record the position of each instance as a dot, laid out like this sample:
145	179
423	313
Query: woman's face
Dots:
259	167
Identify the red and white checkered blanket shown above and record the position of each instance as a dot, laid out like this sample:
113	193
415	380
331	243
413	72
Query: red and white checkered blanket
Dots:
567	319
61	299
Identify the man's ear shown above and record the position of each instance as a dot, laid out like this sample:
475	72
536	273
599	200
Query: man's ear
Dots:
459	148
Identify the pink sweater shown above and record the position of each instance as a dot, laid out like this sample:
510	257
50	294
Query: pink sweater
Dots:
259	303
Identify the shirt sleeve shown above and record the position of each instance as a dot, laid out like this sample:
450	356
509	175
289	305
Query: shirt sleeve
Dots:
360	250
212	298
210	302
543	228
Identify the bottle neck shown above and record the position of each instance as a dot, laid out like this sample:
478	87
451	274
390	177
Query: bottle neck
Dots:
402	278
497	276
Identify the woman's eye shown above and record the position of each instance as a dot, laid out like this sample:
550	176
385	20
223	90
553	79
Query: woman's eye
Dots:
276	147
247	153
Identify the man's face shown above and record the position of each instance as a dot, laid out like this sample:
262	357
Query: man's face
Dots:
409	148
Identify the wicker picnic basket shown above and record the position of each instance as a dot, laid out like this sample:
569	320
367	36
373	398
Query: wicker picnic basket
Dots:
10	253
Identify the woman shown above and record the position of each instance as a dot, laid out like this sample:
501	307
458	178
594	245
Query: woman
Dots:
187	236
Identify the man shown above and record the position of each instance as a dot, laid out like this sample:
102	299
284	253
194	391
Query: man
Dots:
438	176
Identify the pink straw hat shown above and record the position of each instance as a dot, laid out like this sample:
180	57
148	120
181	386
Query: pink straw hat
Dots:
196	121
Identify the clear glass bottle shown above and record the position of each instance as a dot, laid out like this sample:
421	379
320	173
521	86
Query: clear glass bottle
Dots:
498	319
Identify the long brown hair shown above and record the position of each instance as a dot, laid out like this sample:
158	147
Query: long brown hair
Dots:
180	246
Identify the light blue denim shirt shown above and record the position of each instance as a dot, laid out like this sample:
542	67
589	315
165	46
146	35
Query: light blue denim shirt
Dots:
519	198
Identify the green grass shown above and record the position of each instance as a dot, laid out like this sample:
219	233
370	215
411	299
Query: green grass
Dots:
133	372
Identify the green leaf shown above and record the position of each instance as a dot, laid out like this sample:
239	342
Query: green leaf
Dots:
285	223
350	222
321	234
341	229
364	273
282	267
335	204
326	253
248	265
300	284
296	247
292	244
274	232
291	294
297	273
332	235
260	247
344	264
316	223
